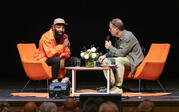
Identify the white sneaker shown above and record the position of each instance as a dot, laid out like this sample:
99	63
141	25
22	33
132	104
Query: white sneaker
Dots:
65	80
116	90
55	80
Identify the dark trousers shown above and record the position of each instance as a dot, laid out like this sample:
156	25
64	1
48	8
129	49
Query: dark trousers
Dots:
55	63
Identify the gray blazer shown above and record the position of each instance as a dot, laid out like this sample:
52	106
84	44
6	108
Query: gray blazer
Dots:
127	46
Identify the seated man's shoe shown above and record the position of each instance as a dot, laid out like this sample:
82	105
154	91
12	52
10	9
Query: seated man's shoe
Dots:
55	80
65	80
116	90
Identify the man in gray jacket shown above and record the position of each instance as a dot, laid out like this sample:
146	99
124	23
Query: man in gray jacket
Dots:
126	54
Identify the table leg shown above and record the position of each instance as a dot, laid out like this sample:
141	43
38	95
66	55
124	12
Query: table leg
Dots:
108	80
73	81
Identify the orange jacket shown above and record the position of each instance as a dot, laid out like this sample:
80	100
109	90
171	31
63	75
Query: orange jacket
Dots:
48	48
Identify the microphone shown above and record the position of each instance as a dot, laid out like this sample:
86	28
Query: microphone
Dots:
66	38
107	37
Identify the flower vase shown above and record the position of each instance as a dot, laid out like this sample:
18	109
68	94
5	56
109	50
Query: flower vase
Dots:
89	63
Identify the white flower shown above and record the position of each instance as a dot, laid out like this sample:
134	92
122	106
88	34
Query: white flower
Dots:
93	49
93	55
89	50
86	56
82	54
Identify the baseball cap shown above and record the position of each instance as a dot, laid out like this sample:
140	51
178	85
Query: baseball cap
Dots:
59	21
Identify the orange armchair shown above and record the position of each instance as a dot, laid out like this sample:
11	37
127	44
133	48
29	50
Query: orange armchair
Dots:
35	70
153	64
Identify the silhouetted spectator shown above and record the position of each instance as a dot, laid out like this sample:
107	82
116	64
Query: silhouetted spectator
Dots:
91	105
77	109
48	107
146	106
108	107
4	107
70	105
30	107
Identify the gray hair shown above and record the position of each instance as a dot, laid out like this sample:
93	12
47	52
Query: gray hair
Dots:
117	23
48	107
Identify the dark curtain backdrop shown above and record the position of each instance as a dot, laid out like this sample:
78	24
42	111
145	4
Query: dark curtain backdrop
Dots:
25	21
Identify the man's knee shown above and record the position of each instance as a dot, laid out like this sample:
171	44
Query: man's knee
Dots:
106	61
120	61
55	59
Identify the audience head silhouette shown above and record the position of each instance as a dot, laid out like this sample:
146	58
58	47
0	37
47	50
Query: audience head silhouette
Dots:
4	107
48	107
146	106
108	107
30	107
70	105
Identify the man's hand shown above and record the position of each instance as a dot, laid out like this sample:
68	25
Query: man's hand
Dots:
107	44
101	58
66	43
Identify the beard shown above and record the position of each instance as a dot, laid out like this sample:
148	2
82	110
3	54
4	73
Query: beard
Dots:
58	34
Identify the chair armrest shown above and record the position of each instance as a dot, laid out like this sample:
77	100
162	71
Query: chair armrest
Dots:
153	61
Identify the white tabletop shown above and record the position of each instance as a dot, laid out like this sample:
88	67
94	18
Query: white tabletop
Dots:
89	68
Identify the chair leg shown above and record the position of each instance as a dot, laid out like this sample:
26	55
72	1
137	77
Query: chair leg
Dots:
25	85
161	85
139	85
28	83
157	82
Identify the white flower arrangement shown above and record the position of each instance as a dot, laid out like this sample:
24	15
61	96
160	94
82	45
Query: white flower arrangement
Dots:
89	54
